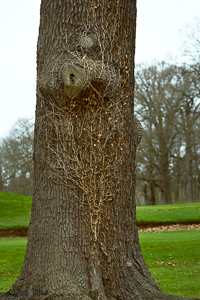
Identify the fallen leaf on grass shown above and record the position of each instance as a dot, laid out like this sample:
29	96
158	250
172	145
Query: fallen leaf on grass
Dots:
171	264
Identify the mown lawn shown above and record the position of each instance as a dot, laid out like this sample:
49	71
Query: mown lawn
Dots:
169	214
12	251
15	210
172	257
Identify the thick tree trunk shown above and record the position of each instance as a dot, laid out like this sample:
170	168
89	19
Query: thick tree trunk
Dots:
83	239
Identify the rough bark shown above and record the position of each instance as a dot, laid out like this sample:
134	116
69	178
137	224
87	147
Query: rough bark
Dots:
83	238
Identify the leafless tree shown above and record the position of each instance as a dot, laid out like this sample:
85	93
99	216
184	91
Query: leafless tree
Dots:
189	93
191	45
167	98
16	159
157	107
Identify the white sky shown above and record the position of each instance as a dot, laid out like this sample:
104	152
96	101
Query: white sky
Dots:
158	25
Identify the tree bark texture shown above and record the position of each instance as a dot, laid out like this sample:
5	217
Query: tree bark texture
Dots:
83	239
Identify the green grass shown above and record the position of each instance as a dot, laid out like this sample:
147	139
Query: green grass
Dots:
15	210
172	257
169	214
12	251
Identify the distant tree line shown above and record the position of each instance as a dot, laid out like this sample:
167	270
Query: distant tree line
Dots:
167	102
16	165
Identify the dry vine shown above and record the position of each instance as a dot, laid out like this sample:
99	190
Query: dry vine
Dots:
85	113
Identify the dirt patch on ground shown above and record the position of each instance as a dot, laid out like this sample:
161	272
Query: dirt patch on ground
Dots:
172	227
23	231
14	232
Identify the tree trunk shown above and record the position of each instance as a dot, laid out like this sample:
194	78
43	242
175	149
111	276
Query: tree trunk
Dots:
189	173
165	184
83	239
1	180
146	198
152	194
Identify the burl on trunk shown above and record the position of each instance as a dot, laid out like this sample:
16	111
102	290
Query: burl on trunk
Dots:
83	239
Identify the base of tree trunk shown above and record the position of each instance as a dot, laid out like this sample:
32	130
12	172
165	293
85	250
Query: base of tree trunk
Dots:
72	292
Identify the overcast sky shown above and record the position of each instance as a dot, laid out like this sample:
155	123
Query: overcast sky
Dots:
158	34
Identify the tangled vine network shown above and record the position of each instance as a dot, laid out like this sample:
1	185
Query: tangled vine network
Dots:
85	95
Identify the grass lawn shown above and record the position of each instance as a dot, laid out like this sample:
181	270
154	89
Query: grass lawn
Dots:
169	214
172	257
12	251
15	210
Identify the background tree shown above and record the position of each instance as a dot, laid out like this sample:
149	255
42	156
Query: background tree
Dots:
196	159
167	100
178	178
148	179
1	177
16	152
189	93
157	107
191	70
191	45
